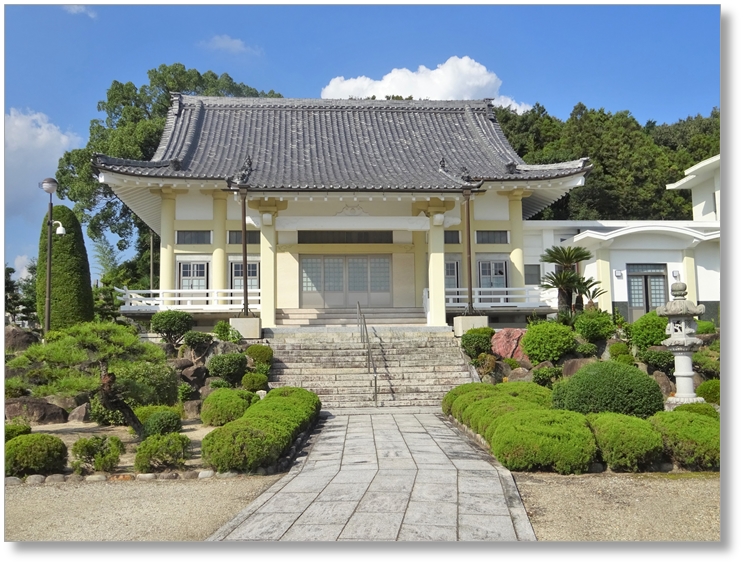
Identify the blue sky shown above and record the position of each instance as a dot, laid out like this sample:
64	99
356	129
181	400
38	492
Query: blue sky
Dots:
660	62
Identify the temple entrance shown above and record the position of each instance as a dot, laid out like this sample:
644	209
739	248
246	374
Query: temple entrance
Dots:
340	281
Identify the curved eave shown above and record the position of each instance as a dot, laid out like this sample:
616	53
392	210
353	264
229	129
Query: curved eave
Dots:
697	174
592	239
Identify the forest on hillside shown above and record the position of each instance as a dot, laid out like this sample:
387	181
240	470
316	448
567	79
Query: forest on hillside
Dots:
632	164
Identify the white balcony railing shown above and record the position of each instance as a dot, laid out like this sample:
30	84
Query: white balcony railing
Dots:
494	298
211	300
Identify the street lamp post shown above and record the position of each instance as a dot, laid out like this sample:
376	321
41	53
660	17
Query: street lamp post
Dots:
49	186
239	183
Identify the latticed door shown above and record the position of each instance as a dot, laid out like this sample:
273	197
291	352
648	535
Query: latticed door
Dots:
647	288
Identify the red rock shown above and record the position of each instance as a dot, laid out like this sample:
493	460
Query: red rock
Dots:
507	343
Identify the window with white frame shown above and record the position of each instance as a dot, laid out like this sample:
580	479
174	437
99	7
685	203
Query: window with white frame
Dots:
491	236
532	274
193	275
193	237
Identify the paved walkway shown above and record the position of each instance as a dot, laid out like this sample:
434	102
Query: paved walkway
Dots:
386	476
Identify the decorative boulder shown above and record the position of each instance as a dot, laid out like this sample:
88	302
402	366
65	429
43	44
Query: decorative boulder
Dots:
667	386
572	365
520	374
80	414
192	409
36	410
17	339
195	376
66	402
180	363
506	343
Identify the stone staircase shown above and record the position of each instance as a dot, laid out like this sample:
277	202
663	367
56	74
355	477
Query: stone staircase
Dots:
347	317
416	366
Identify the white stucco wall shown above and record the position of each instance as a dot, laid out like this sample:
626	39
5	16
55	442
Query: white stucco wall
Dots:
404	285
491	206
195	206
708	261
619	260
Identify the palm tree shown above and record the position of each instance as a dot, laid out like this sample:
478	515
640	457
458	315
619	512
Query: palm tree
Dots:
567	260
565	282
589	288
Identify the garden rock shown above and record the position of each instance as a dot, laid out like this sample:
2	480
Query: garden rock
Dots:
222	347
80	414
506	343
196	375
572	365
169	349
707	339
205	391
36	410
697	380
520	374
180	363
66	402
17	339
191	409
667	386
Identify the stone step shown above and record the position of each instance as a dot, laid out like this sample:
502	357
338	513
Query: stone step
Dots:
364	380
357	345
389	370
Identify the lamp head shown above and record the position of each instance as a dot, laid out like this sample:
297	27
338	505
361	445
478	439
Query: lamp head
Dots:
60	229
49	185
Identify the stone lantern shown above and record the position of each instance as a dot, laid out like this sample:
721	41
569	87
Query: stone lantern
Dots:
681	342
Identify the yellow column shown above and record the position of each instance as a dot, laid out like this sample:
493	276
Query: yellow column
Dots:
689	275
516	239
604	276
419	258
268	270
437	313
167	241
219	239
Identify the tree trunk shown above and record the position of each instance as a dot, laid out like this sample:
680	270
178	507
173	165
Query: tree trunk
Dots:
113	401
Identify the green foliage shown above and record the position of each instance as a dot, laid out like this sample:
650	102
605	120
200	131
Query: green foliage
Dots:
263	368
464	400
530	392
658	360
222	406
594	325
71	300
706	327
626	443
513	363
706	361
543	440
219	383
702	408
161	422
144	383
15	387
172	325
710	391
104	416
32	454
715	346
483	414
609	387
453	394
618	348
143	413
15	430
546	376
691	440
625	359
66	383
225	332
197	341
648	330
98	453
160	452
254	382
185	392
476	341
547	342
260	353
586	349
228	366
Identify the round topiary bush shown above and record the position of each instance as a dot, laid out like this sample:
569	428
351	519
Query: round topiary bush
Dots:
171	325
197	341
452	395
626	443
15	430
144	412
260	353
702	408
618	348
228	366
476	341
34	454
587	349
97	453
160	452
162	422
658	360
693	441
546	376
254	382
547	341
710	391
648	330
609	387
594	325
244	446
225	405
543	440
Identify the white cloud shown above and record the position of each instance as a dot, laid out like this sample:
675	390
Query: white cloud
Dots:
458	78
33	147
229	44
20	264
79	9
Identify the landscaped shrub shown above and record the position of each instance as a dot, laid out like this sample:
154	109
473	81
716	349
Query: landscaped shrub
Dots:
483	413
452	395
465	400
618	348
185	392
143	413
197	341
34	454
648	330
225	332
160	452
228	366
691	440
609	387
586	349
98	453
625	359
710	391
15	387
15	430
658	360
626	443
715	346
513	363
260	353
144	383
162	422
547	342
702	408
543	440
171	325
594	325
261	367
225	405
219	383
476	341
530	392
546	376
255	382
706	327
104	416
707	362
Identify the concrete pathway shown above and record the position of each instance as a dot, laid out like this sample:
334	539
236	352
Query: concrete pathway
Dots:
387	475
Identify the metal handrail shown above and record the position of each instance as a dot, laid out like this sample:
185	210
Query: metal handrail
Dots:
364	334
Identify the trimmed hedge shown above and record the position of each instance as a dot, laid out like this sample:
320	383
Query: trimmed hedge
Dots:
626	443
547	341
609	386
710	391
702	408
35	454
530	392
15	430
260	353
160	452
476	341
172	325
162	422
144	412
225	405
705	327
594	325
693	441
648	330
618	348
484	413
453	394
658	360
462	402
97	453
254	382
228	366
543	440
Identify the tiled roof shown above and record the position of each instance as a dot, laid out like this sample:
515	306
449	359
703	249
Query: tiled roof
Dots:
315	144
